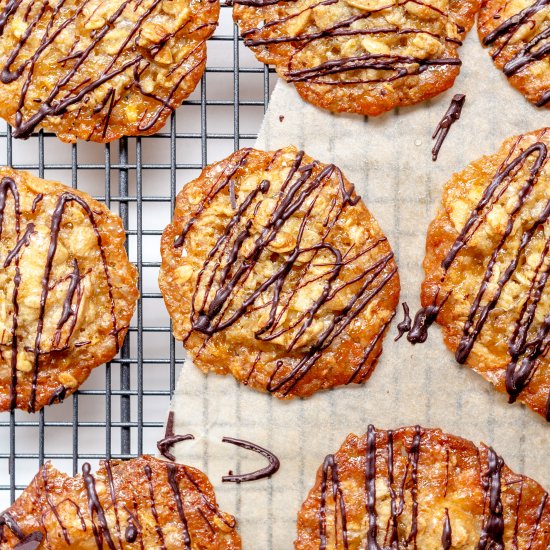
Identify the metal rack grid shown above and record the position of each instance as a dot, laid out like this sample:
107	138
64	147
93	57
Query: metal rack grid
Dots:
119	411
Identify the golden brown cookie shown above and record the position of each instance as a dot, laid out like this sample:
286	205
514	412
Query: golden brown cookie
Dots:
100	69
517	33
421	488
67	289
487	265
140	503
273	270
359	56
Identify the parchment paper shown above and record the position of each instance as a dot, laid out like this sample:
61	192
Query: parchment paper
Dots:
388	158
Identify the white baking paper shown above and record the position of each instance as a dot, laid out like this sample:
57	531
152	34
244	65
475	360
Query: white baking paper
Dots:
389	160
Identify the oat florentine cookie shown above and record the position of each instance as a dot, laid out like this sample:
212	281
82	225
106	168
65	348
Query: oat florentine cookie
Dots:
487	265
421	488
67	289
100	69
140	503
274	271
517	33
359	56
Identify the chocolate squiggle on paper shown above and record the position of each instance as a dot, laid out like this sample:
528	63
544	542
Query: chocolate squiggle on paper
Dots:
271	469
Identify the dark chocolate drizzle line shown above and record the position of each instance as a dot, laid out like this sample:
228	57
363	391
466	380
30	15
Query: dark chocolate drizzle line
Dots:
524	350
101	528
54	510
209	315
267	471
395	66
68	91
170	439
112	494
405	325
6	519
173	482
451	116
158	528
339	503
447	535
538	519
72	297
370	476
414	455
536	49
493	526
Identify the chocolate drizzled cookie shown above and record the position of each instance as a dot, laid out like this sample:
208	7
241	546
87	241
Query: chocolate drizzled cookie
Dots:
274	271
142	503
100	69
518	37
359	56
420	488
487	266
67	289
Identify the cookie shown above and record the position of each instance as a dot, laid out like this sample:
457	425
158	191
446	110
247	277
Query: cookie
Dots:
516	33
67	289
487	265
100	69
140	503
359	56
273	270
421	488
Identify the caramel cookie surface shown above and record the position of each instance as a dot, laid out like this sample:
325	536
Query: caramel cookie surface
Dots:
487	267
140	503
517	33
421	488
100	69
67	289
359	56
274	271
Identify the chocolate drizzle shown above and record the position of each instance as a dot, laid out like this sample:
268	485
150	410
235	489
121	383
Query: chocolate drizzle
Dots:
451	116
173	482
228	266
339	503
536	49
100	528
268	471
493	527
133	61
405	325
371	489
528	342
73	295
351	69
447	535
170	439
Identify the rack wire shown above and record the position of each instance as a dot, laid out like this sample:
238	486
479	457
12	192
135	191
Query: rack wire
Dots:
120	410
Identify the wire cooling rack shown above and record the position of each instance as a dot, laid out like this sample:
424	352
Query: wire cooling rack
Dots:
120	410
